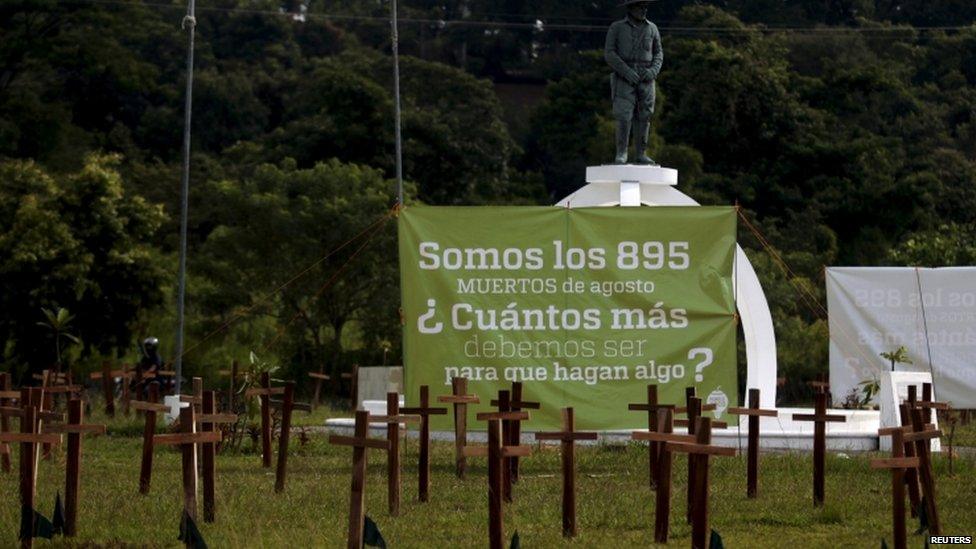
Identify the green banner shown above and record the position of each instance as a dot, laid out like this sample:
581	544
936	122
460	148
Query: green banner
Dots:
585	306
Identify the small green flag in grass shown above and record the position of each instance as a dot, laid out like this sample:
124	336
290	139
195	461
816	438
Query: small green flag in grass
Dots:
715	542
34	524
189	533
923	518
371	534
57	517
515	541
884	545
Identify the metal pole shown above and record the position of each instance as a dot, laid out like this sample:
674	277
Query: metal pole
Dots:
396	98
189	23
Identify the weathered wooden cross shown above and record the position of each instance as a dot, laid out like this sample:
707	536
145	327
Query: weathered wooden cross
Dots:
424	411
187	439
568	437
503	403
108	375
196	399
208	421
497	452
922	435
42	400
819	419
265	392
7	395
150	407
393	419
911	475
693	409
651	407
700	451
752	462
74	428
898	463
231	384
287	406
357	498
460	399
821	385
319	377
29	437
353	378
514	435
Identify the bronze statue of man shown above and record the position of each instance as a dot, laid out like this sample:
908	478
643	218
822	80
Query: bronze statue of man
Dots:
634	53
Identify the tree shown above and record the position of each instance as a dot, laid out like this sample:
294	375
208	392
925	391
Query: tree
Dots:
286	220
79	241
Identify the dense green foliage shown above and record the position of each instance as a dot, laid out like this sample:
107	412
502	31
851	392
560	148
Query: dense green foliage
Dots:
849	141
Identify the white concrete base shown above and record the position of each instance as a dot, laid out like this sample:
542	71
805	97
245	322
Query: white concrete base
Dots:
858	434
892	392
631	173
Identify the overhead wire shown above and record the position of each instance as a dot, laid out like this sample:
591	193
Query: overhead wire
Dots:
539	22
328	283
294	278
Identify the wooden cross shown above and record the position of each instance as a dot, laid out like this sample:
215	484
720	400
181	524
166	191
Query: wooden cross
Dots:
921	436
651	407
568	437
319	377
353	378
821	385
208	422
150	407
693	409
265	392
188	438
928	404
700	451
357	497
752	462
497	452
287	405
75	428
29	438
911	475
424	411
514	428
819	419
108	375
196	399
460	399
232	374
898	464
503	403
6	394
393	419
662	508
661	435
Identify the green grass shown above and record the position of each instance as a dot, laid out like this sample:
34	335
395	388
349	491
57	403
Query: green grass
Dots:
616	508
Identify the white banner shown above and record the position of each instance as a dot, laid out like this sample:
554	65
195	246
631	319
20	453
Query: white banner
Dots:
878	309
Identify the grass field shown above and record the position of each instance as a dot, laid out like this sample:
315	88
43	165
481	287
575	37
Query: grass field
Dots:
616	507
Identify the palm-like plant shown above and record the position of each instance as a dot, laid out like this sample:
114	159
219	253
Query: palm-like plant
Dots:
899	356
58	322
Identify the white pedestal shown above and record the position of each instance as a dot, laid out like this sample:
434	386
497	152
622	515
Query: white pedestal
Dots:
631	173
894	391
173	401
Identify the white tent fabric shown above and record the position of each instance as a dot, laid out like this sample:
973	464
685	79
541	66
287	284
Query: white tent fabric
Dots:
878	309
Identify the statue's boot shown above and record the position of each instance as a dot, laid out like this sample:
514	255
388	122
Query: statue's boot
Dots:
623	139
640	139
